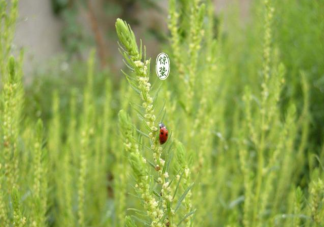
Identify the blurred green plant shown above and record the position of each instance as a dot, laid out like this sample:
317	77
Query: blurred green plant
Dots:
158	199
246	109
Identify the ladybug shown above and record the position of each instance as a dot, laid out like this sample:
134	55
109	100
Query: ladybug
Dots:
163	133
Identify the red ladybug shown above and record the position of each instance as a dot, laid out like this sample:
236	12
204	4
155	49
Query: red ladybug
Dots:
163	133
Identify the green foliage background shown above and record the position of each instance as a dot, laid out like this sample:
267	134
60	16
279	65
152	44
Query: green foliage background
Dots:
243	106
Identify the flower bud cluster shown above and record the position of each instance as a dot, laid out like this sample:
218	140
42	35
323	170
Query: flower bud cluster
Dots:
151	205
175	38
145	87
267	49
11	115
316	199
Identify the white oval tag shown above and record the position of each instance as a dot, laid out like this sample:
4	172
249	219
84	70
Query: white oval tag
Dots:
162	66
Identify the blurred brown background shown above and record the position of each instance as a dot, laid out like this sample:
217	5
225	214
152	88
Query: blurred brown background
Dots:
47	29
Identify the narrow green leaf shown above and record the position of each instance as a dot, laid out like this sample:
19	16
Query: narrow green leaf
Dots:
156	194
145	223
183	196
186	216
128	66
142	133
141	212
151	163
175	192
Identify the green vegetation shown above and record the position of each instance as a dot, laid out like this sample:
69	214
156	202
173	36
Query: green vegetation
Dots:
243	106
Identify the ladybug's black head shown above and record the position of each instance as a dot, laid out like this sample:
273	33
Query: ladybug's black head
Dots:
161	125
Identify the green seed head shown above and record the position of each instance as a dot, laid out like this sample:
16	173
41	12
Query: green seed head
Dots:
137	164
127	38
180	156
